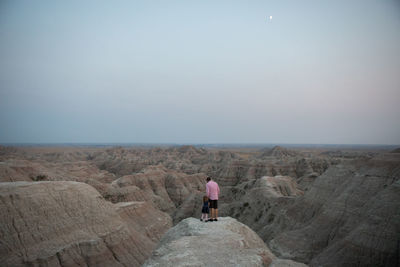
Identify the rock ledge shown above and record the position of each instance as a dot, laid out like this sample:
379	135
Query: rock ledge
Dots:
223	243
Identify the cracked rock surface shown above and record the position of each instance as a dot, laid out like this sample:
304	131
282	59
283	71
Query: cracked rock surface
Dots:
226	242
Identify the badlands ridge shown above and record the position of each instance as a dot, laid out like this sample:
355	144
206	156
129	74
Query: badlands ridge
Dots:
89	206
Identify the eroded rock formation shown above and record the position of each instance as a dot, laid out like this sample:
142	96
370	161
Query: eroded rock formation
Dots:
351	215
70	223
321	207
223	243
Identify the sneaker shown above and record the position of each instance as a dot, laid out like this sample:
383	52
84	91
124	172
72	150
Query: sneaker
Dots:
209	220
201	219
215	220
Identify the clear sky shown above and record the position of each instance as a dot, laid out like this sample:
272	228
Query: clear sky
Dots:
200	71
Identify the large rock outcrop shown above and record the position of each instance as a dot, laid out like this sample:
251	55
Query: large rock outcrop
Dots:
256	202
350	216
144	218
223	243
165	189
70	223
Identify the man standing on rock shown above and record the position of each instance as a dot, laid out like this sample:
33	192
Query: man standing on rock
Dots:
212	190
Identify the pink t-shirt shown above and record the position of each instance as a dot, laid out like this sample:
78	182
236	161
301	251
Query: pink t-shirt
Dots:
212	190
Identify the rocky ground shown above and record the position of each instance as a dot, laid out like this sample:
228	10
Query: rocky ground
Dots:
223	243
94	206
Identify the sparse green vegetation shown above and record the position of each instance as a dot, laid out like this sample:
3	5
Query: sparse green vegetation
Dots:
40	177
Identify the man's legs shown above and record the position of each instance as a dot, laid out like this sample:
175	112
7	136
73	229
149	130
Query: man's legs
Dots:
214	209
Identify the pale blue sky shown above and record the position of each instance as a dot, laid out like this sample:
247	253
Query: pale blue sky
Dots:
200	71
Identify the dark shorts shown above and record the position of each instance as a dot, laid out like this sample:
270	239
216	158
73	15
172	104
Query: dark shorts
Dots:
205	210
213	204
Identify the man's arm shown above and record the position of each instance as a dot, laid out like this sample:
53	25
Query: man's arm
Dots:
207	191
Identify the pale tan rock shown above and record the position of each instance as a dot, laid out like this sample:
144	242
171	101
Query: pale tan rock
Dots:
165	189
223	243
142	216
69	224
279	186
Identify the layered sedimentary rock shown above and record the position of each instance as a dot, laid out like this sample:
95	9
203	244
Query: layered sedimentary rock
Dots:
227	167
256	202
144	218
13	170
223	243
165	189
350	216
106	165
320	207
69	224
279	152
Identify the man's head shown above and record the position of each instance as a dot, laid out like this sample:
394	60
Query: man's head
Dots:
208	179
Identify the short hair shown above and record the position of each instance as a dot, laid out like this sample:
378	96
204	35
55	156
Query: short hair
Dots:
208	179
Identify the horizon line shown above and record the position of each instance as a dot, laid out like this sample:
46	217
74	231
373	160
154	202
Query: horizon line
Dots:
186	143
